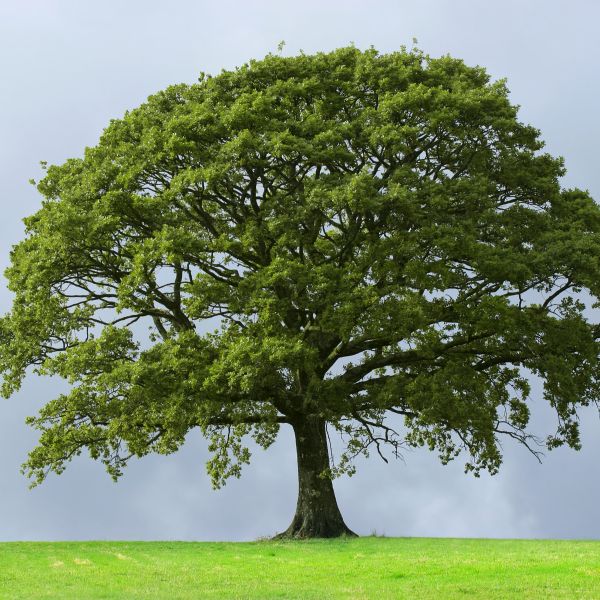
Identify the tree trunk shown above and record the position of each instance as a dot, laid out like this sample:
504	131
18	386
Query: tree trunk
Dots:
317	513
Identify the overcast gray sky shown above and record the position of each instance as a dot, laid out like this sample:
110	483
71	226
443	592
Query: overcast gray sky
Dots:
67	67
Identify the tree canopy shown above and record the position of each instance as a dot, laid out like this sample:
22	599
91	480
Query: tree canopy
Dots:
330	239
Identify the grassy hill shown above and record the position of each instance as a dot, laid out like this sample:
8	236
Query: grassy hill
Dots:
380	568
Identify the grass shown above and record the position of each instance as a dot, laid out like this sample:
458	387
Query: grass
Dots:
380	568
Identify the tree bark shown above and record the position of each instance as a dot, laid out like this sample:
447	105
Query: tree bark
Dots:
317	512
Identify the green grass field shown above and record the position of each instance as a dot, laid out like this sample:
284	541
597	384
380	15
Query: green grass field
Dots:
370	567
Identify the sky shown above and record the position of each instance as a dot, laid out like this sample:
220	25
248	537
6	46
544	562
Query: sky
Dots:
68	67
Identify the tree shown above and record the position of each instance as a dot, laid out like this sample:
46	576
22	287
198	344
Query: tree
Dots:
317	241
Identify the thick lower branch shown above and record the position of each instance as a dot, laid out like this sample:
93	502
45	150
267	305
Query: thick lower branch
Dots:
247	420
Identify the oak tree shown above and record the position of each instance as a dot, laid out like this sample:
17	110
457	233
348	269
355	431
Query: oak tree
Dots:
323	242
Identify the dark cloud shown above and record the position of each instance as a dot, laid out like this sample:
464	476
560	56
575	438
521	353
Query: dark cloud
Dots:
68	67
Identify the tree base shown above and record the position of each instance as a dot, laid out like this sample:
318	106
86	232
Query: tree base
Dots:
301	529
285	535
